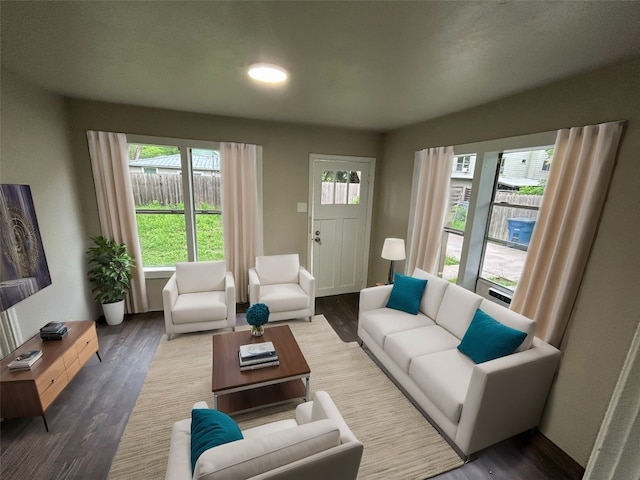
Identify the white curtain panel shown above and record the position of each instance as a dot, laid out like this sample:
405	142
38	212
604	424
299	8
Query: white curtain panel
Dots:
238	168
431	205
116	206
581	170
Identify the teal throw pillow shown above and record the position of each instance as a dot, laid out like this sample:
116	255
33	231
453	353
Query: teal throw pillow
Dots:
487	339
406	293
210	428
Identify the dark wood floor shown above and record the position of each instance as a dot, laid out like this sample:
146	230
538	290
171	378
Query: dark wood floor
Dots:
88	419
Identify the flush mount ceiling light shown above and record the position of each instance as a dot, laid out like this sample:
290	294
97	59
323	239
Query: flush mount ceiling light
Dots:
267	73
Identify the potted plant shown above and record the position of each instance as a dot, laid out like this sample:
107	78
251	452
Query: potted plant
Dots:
110	276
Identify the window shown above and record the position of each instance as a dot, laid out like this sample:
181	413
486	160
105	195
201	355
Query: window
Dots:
493	210
177	198
340	187
462	163
513	214
453	236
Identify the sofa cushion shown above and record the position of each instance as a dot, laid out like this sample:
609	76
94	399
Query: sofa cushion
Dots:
444	377
406	293
487	339
252	456
199	307
457	309
403	346
383	321
511	319
210	428
433	293
272	269
194	277
284	297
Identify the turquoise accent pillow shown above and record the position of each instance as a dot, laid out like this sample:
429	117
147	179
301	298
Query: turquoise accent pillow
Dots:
487	339
210	428
406	293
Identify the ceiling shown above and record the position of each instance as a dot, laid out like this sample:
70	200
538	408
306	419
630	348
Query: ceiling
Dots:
373	65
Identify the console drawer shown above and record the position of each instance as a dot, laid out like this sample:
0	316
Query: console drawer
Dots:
51	383
87	345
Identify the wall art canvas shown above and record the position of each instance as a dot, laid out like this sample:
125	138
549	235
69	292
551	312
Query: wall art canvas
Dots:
24	269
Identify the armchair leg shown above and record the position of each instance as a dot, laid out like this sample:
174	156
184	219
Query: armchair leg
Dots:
310	318
169	337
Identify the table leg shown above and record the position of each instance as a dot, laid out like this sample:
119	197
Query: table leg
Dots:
215	401
306	399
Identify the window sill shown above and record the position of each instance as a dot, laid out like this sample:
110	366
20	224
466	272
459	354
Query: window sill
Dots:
158	272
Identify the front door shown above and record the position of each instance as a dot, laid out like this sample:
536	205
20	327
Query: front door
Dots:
341	190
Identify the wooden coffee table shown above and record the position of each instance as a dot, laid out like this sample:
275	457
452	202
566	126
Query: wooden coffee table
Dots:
236	391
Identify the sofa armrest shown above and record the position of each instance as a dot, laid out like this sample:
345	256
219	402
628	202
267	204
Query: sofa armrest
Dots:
322	407
506	396
230	297
169	298
307	282
372	298
179	460
254	286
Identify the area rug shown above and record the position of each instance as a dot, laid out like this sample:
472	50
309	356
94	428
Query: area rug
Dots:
398	441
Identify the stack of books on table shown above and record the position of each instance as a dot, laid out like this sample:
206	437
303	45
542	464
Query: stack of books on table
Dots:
258	355
53	331
25	360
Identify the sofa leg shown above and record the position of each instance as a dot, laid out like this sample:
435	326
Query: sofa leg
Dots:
310	318
169	337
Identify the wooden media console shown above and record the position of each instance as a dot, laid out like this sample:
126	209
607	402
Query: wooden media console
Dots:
28	393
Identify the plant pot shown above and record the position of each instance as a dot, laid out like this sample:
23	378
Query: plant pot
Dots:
257	331
113	312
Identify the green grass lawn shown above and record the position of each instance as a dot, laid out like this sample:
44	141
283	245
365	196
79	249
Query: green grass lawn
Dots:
163	238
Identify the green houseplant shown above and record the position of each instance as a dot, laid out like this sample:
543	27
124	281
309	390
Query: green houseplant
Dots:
110	276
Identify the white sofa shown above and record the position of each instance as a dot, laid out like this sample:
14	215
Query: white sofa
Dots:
316	445
474	405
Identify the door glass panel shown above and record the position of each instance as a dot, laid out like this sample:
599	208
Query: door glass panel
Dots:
342	187
328	187
354	187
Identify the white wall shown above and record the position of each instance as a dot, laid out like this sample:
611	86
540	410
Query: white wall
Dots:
35	151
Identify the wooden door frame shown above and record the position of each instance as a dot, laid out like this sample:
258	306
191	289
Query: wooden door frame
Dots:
371	161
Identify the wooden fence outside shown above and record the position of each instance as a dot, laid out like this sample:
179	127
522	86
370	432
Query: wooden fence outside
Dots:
499	225
345	193
166	189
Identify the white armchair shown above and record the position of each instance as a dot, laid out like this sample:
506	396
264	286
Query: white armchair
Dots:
199	296
316	445
288	289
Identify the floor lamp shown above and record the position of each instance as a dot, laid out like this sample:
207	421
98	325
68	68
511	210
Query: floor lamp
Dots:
393	249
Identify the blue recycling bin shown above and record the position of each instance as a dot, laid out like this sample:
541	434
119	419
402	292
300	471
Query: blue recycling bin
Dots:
520	230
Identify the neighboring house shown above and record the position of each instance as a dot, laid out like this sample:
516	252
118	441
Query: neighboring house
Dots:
527	168
202	164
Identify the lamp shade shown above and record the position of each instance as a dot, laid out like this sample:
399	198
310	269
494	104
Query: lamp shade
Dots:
393	249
